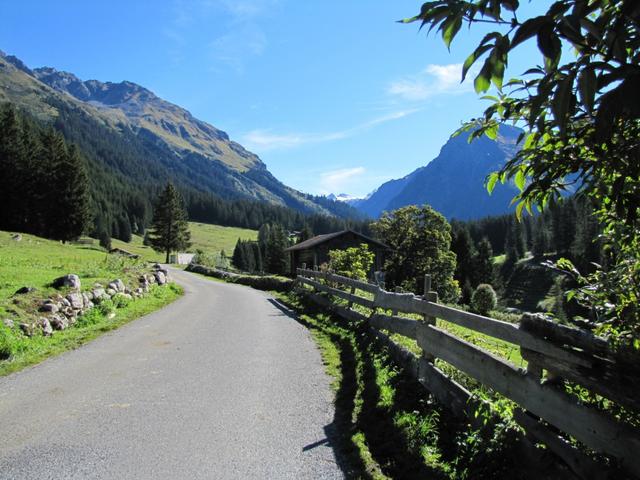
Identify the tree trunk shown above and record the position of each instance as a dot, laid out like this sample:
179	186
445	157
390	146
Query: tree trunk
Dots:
167	260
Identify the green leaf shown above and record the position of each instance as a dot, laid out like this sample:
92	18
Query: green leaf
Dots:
492	132
471	59
520	179
562	101
549	44
482	82
492	179
450	28
528	29
519	211
587	88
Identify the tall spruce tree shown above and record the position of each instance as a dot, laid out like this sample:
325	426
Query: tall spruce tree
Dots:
169	228
483	262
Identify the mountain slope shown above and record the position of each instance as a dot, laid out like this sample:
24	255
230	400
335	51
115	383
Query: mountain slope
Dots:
150	140
453	183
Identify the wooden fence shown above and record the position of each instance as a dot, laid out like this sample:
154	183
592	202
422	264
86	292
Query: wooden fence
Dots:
553	352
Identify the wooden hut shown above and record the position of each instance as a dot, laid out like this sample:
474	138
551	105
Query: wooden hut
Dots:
315	251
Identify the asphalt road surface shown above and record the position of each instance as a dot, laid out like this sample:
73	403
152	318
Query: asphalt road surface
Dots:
220	384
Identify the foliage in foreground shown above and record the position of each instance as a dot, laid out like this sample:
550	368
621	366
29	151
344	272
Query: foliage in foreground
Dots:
582	114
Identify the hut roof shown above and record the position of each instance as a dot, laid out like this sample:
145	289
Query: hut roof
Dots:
320	239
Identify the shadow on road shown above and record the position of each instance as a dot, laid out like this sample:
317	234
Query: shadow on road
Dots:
340	431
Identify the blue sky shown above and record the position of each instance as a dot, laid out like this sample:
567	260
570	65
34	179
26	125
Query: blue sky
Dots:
335	96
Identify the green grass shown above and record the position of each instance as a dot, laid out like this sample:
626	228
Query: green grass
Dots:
214	238
209	238
30	351
36	262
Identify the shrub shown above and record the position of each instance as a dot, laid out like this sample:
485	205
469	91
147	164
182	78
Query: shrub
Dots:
484	299
354	262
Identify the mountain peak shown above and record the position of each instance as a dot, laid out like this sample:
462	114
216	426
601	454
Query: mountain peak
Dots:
453	182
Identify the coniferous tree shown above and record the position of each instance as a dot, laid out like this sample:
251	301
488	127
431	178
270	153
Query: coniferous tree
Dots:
124	228
462	246
170	228
306	233
276	259
237	258
483	263
105	240
67	199
11	159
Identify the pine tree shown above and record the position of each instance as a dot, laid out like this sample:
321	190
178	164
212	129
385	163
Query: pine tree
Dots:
276	259
170	228
238	259
462	246
11	159
540	240
483	262
306	233
68	195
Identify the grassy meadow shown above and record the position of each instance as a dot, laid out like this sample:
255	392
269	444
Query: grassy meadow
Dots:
36	262
209	238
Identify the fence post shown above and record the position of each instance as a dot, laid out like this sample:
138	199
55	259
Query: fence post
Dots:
304	266
395	312
429	296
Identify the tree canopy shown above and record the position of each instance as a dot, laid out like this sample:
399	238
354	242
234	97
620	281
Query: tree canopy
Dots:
420	239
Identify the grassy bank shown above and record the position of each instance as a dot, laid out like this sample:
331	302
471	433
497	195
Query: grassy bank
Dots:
30	261
386	425
25	351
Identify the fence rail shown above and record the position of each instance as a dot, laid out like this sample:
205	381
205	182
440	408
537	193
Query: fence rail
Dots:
562	352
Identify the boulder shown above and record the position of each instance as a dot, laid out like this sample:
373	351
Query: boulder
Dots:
75	300
8	323
120	286
71	280
58	322
160	278
27	329
98	293
46	327
111	292
25	289
85	300
49	307
65	302
16	237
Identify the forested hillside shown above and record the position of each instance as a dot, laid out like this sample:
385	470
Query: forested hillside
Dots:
133	142
124	176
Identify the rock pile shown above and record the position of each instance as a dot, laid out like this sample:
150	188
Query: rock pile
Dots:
60	312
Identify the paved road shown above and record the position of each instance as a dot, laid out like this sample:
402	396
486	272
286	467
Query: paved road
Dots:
220	384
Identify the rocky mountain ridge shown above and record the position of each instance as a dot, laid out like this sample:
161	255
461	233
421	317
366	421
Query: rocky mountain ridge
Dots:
453	182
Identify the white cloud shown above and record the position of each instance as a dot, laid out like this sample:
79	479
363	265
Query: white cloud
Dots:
263	140
432	81
338	180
